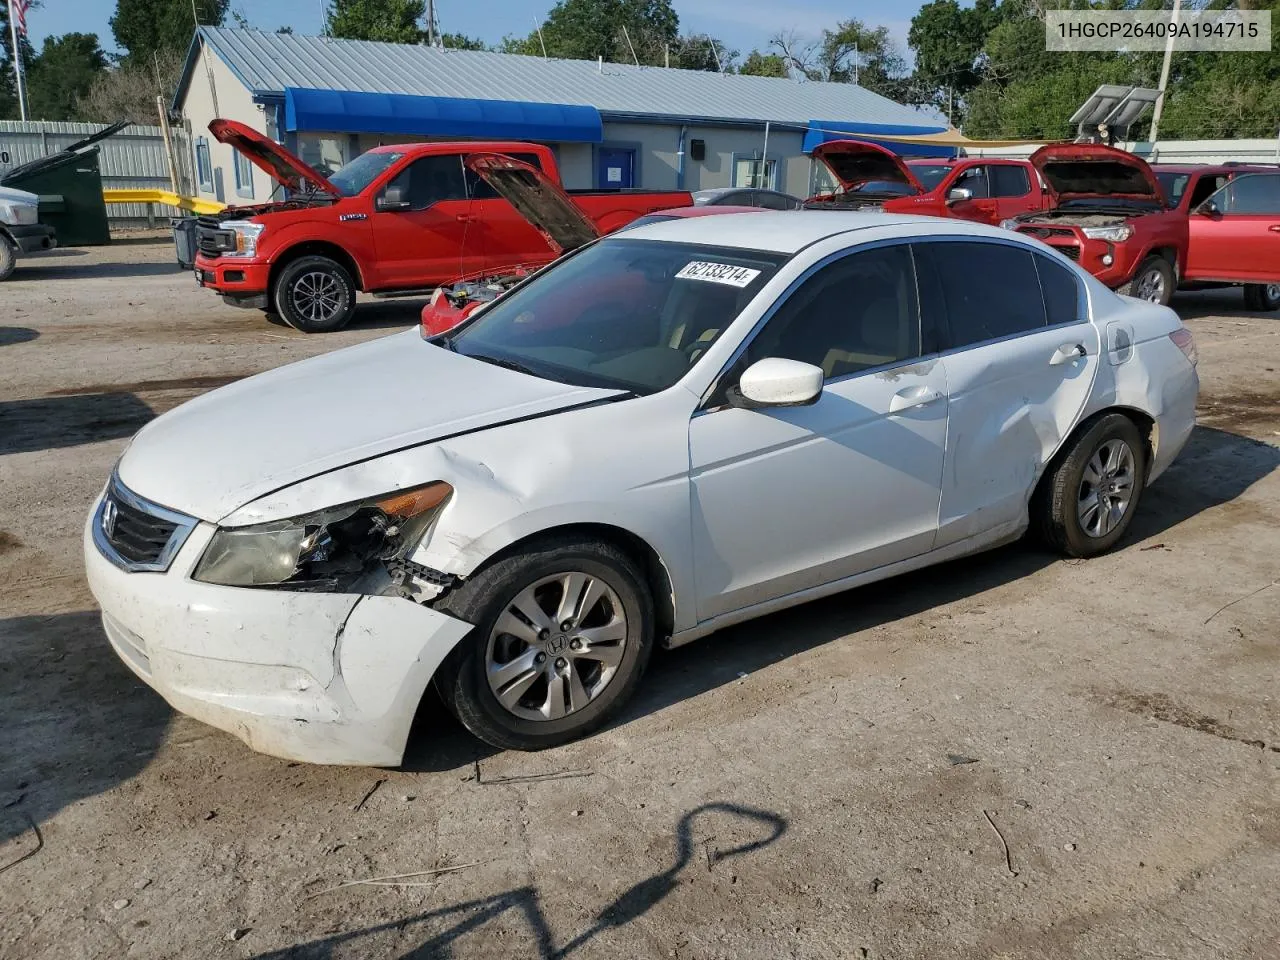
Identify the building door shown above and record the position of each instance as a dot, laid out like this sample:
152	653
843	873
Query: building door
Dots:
615	168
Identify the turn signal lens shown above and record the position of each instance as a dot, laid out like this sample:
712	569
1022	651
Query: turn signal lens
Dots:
1186	343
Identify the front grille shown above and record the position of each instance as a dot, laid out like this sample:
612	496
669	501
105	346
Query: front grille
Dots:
136	534
212	240
1073	252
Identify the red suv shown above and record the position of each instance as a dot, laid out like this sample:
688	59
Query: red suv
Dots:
1234	226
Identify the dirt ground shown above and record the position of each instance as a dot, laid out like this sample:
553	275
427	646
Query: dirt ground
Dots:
840	780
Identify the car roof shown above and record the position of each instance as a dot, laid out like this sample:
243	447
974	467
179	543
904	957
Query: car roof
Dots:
788	231
706	210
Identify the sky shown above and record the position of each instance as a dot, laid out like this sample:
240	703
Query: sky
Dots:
741	24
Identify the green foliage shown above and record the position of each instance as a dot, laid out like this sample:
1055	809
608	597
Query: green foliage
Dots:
147	27
460	41
760	64
852	52
63	73
1010	86
699	51
390	21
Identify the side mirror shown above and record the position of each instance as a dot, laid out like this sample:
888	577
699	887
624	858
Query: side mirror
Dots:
394	198
956	194
775	382
1209	209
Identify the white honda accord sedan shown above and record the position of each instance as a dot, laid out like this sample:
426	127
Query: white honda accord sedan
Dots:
668	431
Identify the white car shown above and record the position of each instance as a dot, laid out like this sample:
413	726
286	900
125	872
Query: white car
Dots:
665	432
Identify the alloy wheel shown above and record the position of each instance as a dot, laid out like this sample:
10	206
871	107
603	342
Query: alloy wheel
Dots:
317	296
1272	293
1150	287
556	646
1106	489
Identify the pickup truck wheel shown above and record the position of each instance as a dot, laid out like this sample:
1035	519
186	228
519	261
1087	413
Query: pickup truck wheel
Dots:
8	258
315	295
1153	281
1263	297
563	632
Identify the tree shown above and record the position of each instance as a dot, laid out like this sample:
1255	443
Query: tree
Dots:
947	41
760	64
147	27
128	91
612	29
852	52
460	41
391	21
63	73
700	51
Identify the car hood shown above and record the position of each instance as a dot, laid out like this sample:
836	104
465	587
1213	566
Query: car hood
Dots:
11	195
267	155
231	446
855	162
1076	171
537	198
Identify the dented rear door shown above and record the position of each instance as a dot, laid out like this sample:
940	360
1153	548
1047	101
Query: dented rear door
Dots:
1021	357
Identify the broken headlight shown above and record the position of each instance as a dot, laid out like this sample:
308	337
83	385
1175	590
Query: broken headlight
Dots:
328	550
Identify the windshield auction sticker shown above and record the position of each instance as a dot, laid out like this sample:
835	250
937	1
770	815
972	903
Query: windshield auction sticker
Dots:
1132	30
725	273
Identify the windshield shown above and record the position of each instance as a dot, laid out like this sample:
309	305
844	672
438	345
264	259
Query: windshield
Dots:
629	314
892	187
362	171
1173	185
929	174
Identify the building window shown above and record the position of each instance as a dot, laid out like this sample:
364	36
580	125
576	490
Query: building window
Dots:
244	175
752	171
204	165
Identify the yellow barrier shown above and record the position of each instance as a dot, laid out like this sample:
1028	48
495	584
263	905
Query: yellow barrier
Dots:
193	204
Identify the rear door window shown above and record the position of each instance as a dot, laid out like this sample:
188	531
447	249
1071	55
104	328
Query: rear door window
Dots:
1252	194
479	190
985	291
1060	289
1008	180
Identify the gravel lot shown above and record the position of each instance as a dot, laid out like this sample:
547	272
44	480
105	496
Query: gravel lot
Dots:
834	781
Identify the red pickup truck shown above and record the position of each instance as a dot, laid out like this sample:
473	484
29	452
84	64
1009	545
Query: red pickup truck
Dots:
1111	217
870	177
397	219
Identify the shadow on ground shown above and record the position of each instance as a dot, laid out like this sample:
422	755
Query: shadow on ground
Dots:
1216	467
11	335
48	423
759	828
51	268
76	722
1215	304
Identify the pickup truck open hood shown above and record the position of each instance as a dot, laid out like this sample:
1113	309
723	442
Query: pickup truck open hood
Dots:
855	162
265	153
537	198
1077	171
227	448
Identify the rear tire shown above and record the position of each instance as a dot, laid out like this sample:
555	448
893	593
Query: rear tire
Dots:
1262	297
8	258
615	616
1087	499
1153	281
315	295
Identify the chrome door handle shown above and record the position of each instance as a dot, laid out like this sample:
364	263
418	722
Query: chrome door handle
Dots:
913	397
1066	353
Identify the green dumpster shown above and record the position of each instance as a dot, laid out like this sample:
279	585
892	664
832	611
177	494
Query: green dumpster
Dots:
69	185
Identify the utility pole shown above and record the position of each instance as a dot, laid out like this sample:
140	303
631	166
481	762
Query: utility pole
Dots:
855	64
17	62
431	23
1164	78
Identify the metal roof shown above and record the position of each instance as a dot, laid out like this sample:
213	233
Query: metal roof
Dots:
267	63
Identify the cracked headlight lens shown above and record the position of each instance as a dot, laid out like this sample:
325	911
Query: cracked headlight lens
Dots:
324	551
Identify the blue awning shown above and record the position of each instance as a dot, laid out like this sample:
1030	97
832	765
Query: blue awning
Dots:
345	111
820	131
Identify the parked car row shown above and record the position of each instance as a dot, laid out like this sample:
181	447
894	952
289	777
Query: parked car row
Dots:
417	217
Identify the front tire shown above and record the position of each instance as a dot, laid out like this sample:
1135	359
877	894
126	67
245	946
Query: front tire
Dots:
563	632
1262	297
1153	281
1087	500
8	258
315	294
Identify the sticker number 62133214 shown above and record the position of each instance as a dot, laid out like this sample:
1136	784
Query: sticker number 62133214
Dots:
726	273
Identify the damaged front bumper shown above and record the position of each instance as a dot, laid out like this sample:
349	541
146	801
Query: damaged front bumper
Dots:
316	677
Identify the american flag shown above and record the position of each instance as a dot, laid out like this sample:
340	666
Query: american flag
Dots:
18	11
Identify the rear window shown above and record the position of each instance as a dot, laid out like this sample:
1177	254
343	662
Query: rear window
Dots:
989	290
